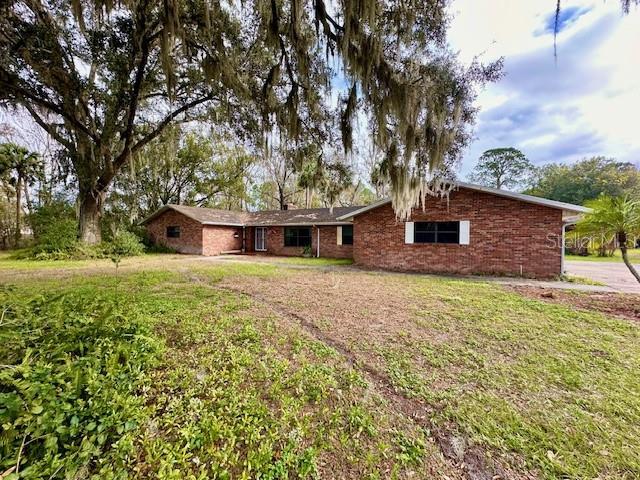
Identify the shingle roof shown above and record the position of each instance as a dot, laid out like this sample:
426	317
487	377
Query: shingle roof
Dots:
303	216
567	208
324	216
205	216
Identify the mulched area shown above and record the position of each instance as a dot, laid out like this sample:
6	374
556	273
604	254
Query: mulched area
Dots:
624	305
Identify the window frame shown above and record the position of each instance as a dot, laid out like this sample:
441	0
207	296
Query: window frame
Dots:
422	235
297	237
350	237
173	229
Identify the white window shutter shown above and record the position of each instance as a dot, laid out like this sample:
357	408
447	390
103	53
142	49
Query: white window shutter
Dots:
408	232
339	235
465	232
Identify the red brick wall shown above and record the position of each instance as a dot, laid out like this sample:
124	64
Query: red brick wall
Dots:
217	239
275	243
194	238
505	235
328	244
249	241
190	240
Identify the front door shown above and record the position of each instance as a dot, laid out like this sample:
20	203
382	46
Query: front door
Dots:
261	239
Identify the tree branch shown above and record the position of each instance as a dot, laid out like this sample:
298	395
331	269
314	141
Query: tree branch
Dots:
168	119
12	84
48	127
323	17
133	101
124	156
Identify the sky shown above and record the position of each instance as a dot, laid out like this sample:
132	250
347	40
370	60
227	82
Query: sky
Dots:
584	103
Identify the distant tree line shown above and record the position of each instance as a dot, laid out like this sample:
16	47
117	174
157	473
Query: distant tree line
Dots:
585	180
576	183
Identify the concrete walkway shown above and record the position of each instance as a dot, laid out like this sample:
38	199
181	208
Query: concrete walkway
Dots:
616	275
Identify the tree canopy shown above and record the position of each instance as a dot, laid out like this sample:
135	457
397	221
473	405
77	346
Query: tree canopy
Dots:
585	180
105	79
502	168
19	168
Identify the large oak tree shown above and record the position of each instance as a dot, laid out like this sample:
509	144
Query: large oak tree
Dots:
105	78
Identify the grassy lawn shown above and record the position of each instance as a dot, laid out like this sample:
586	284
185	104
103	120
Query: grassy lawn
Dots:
580	280
310	261
196	370
634	257
9	262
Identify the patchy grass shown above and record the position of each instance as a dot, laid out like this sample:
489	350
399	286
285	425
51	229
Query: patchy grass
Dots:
321	262
247	370
556	385
634	257
577	279
623	305
545	389
162	374
9	261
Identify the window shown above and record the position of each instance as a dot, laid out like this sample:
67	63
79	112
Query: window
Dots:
173	232
436	232
347	234
297	236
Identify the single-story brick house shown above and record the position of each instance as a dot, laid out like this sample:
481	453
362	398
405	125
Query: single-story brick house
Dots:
476	230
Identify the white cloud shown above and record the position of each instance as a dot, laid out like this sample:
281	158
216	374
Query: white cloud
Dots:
584	104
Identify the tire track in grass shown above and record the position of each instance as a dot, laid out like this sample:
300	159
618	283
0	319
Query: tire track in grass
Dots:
472	460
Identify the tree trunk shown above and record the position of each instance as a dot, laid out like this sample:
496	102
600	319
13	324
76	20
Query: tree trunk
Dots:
91	203
27	198
282	201
622	243
18	233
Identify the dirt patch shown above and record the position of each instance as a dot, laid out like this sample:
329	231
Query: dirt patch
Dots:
355	314
624	305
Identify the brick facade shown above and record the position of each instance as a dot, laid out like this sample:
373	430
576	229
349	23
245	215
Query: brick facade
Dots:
195	238
275	243
190	240
328	244
507	237
217	239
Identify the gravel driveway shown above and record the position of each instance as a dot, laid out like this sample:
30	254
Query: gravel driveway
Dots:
614	274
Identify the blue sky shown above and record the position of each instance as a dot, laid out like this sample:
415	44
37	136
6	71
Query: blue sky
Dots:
585	103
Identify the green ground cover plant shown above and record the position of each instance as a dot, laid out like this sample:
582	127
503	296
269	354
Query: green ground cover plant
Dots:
162	374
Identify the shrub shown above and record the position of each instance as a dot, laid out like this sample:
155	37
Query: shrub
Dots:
46	217
59	242
123	244
54	229
158	248
58	237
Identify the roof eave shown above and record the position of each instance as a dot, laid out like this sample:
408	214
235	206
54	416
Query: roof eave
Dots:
223	224
377	204
526	198
298	224
168	207
155	214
